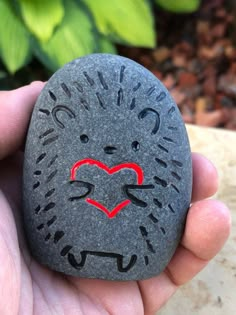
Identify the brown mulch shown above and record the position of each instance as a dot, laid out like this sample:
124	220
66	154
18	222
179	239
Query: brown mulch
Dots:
196	61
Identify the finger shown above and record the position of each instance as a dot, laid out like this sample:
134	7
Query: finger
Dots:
207	228
205	178
184	265
15	109
156	292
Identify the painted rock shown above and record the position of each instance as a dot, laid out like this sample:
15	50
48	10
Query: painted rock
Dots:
107	172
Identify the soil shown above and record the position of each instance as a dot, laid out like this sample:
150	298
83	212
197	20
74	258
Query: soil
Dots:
196	60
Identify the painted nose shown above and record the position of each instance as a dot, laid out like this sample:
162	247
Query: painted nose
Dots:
110	149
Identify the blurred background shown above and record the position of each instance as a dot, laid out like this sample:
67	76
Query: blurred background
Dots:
190	45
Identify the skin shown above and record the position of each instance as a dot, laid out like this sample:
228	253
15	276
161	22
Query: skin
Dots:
28	288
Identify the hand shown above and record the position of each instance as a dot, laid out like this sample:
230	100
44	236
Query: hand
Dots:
29	288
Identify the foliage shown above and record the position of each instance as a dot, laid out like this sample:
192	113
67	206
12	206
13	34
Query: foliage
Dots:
183	6
14	39
124	21
58	31
73	38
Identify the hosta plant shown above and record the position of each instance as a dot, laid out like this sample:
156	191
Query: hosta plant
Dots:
58	31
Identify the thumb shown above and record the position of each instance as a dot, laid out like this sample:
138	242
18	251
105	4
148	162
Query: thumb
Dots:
15	110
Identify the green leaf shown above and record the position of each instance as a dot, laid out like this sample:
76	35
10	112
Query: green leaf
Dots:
14	39
42	16
128	21
106	46
184	6
72	39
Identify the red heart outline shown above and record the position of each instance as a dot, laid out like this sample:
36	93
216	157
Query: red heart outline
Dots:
135	167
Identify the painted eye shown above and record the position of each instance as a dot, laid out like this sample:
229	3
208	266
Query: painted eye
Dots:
84	138
135	146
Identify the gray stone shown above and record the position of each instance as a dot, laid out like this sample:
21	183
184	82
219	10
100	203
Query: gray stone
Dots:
107	172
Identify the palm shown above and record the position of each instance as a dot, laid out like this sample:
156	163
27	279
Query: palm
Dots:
29	288
49	292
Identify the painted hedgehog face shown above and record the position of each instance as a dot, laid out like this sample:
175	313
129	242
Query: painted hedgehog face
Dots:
107	175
